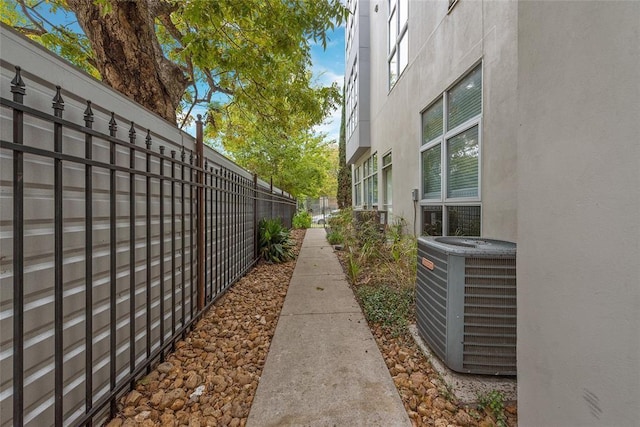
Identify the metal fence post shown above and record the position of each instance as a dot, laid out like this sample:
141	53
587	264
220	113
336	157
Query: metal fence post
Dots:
200	203
58	107
18	90
255	216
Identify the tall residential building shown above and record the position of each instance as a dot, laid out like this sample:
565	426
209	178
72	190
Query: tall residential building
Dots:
420	117
517	120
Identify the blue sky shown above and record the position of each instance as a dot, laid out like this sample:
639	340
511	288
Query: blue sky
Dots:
328	67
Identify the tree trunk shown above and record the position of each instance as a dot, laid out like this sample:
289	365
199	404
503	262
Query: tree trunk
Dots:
128	54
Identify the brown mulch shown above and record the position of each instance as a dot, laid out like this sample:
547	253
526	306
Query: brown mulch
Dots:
212	377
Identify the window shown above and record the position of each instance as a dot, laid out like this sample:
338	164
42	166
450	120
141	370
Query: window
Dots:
398	39
450	159
370	179
387	183
357	186
352	5
351	100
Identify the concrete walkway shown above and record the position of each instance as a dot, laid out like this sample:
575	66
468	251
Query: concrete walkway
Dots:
323	366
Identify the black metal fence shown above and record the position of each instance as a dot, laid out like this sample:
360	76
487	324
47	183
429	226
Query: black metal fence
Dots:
141	240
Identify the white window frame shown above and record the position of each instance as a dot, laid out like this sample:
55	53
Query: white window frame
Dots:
370	171
351	101
385	168
357	186
444	201
402	30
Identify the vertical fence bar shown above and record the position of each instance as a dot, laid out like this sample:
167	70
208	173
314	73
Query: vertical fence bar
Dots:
88	255
192	232
58	107
255	216
244	223
113	127
162	251
173	245
236	237
205	201
18	90
132	252
211	241
148	254
182	240
217	228
225	227
201	230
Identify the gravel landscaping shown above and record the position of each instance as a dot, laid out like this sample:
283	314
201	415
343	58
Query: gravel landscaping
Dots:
212	377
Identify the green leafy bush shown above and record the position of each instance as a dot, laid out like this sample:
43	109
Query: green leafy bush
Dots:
334	237
302	219
387	306
274	244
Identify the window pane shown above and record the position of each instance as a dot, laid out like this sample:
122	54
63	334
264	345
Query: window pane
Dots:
431	173
366	192
358	194
388	188
374	162
465	99
393	69
374	190
404	11
432	221
462	173
386	160
393	30
463	220
432	122
404	51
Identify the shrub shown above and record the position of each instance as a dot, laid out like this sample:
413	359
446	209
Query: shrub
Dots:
387	306
274	244
302	219
335	237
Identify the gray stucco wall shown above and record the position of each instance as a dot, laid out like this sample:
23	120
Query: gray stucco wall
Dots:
578	203
442	48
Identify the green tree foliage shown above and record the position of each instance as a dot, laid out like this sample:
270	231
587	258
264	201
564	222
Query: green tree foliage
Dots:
298	162
246	61
29	18
227	55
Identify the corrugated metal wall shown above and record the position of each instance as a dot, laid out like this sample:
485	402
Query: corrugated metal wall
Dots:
139	216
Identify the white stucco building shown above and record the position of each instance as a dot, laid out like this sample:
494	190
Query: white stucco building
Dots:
517	120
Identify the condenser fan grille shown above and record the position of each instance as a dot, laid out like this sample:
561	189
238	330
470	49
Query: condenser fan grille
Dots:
489	315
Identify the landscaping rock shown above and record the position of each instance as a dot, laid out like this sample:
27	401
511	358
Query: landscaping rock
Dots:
211	378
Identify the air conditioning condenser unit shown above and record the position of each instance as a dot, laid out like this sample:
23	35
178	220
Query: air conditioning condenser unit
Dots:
466	302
